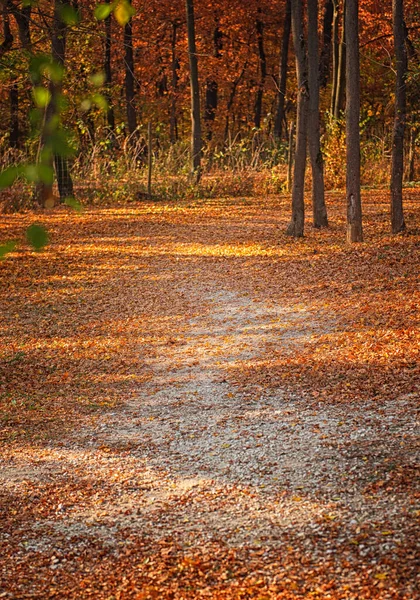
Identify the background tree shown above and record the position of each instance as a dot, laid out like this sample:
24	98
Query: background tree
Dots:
397	213
354	205
280	122
297	222
320	218
195	93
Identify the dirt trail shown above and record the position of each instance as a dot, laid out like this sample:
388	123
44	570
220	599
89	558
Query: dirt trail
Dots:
213	483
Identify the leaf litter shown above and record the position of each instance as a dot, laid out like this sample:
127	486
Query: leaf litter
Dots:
195	406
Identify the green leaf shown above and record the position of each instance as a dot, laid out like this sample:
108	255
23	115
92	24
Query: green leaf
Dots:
37	236
30	172
8	177
100	101
6	248
59	144
123	12
97	79
42	96
45	174
69	15
74	204
102	11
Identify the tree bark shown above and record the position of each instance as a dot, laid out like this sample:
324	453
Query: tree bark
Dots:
335	46
397	167
317	162
173	119
110	116
263	72
212	87
52	112
341	68
195	95
14	115
412	153
325	59
296	225
354	205
129	79
280	121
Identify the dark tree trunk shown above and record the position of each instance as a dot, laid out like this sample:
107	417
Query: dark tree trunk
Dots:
280	121
58	52
335	46
175	67
412	153
354	205
7	42
212	88
296	225
341	69
317	163
195	94
110	116
129	79
325	59
22	17
14	115
397	168
230	101
263	72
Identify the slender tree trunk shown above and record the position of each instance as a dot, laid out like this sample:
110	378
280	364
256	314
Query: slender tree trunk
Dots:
280	121
412	153
7	42
296	225
263	72
230	101
354	205
397	168
341	69
335	46
130	79
317	162
325	59
290	156
195	94
14	115
58	52
110	116
212	88
173	121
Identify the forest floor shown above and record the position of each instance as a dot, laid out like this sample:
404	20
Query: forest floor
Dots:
194	405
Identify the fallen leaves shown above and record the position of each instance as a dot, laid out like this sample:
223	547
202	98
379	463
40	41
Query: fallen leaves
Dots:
85	325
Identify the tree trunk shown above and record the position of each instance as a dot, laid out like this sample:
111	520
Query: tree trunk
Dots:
14	115
335	46
212	88
263	72
195	94
325	59
397	168
296	225
231	99
51	118
110	116
412	153
129	79
173	120
280	121
354	205
341	69
317	163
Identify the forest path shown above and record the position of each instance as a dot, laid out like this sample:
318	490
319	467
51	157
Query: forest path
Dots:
217	475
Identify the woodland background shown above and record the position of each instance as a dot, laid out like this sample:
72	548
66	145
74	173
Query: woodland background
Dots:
126	65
